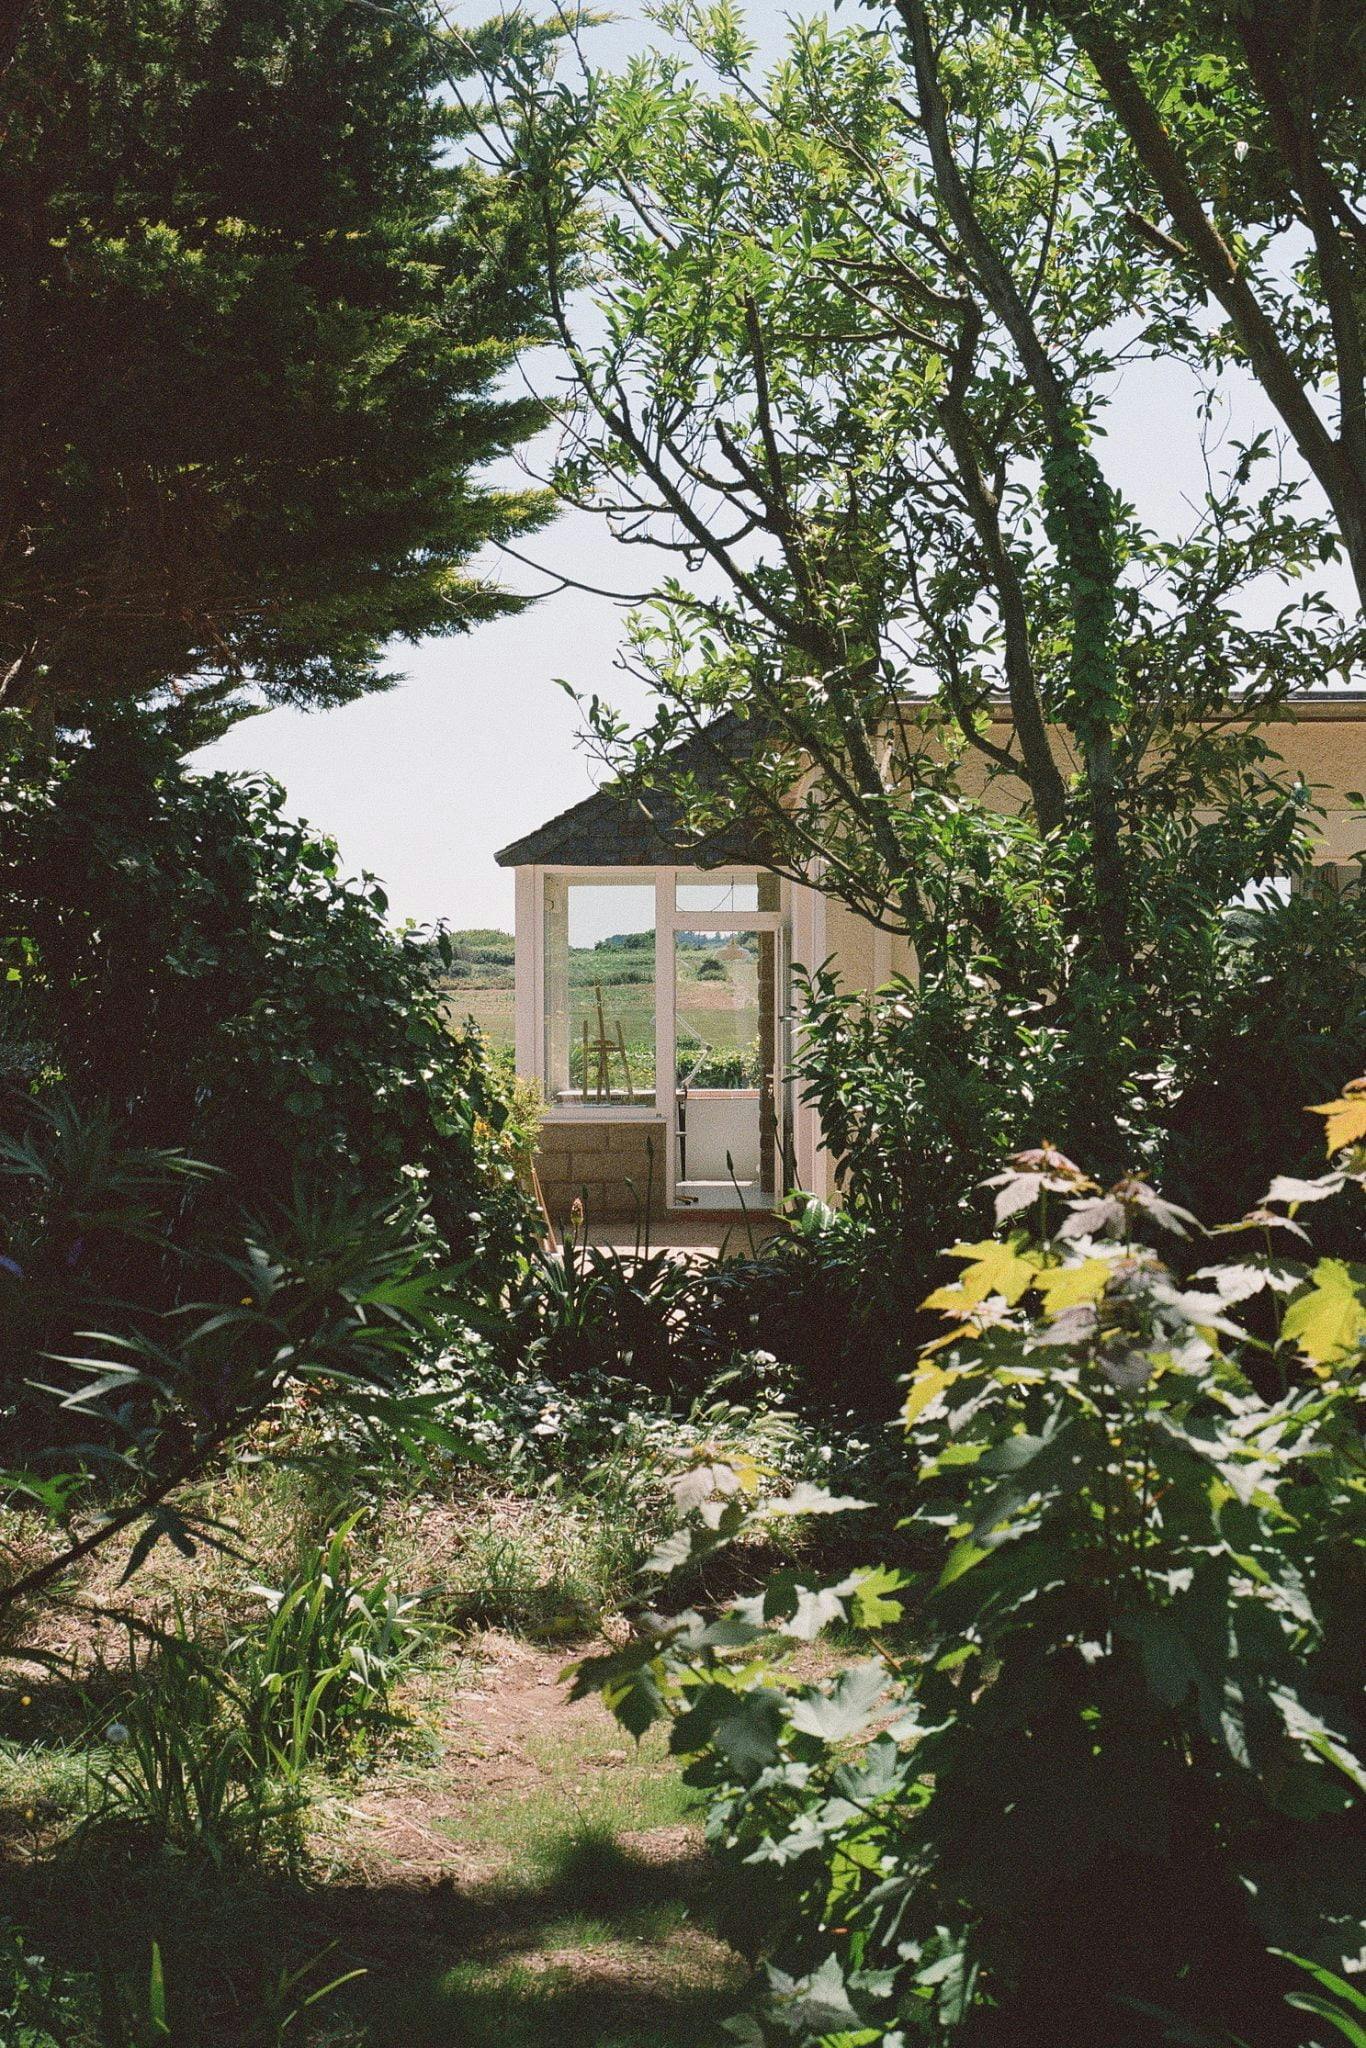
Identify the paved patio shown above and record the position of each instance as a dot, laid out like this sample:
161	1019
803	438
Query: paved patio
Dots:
719	1231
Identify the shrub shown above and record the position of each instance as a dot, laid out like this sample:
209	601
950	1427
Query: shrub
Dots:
1118	1768
593	1309
191	960
244	1154
1192	1071
133	1375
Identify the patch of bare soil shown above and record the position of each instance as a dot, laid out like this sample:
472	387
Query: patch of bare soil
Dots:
490	1732
611	1920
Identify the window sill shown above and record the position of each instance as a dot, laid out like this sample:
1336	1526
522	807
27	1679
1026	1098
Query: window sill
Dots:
601	1112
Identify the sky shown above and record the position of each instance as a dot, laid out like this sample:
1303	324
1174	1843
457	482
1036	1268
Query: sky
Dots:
422	784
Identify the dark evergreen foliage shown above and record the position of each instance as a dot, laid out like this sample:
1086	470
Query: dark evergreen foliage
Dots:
255	305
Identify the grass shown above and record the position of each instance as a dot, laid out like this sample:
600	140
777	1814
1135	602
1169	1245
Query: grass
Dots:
592	1784
528	1878
558	2004
546	1566
507	1869
708	1005
591	1927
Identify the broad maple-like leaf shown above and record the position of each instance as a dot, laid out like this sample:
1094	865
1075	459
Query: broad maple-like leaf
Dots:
1064	1287
1346	1118
995	1268
928	1384
1329	1321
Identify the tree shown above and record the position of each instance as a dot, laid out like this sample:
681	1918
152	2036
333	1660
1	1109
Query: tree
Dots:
174	947
858	324
243	1158
1244	123
255	305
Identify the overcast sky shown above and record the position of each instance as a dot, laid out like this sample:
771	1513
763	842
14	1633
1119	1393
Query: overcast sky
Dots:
423	783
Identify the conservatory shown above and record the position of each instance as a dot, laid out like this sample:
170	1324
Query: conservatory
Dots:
653	1007
654	990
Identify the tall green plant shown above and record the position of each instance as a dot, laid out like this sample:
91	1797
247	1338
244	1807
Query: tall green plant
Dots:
177	1764
244	1154
120	1398
316	1679
1118	1763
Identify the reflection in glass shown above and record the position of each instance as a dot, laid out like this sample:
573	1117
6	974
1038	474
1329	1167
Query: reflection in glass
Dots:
727	894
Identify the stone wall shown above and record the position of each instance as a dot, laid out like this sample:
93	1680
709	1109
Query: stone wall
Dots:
596	1159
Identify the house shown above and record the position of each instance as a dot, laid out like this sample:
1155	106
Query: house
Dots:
653	987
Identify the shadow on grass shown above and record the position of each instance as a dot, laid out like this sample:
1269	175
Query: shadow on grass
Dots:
604	1948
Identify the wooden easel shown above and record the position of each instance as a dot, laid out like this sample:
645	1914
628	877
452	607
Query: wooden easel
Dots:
598	1053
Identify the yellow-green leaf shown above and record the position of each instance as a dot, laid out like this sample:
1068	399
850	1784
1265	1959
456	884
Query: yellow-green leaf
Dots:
873	1606
1068	1286
962	1558
1329	1322
1346	1123
930	1381
995	1268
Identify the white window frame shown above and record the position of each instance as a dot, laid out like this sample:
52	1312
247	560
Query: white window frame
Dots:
669	920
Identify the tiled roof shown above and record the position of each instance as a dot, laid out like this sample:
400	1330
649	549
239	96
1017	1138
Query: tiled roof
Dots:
612	829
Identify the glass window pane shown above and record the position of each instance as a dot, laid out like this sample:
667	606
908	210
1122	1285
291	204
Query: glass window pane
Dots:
725	1016
599	992
721	895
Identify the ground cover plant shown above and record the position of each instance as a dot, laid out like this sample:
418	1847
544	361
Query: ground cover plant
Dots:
351	1749
1110	1781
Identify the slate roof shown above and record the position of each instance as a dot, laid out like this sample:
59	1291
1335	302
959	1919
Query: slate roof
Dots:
612	829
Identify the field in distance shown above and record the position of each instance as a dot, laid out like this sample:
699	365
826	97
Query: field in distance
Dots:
718	992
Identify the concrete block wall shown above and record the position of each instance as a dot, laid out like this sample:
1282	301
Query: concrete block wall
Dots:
596	1159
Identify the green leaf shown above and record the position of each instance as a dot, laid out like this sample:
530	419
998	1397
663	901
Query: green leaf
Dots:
965	1554
1329	1979
748	1735
156	1996
872	1606
1328	1322
636	1701
845	1708
1350	2029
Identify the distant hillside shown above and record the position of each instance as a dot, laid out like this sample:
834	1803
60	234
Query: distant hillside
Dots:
483	958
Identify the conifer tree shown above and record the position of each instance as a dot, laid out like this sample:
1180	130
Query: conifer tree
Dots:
256	308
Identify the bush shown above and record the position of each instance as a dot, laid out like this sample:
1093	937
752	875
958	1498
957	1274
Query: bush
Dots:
1193	1071
243	1156
1117	1768
182	953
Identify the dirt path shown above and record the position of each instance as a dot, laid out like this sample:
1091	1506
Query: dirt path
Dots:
535	1880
